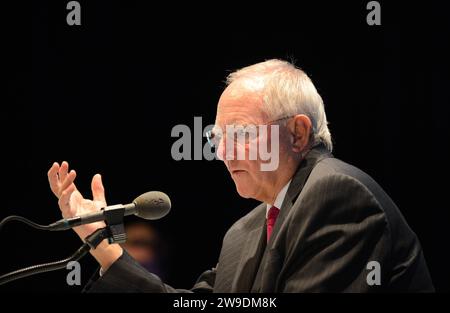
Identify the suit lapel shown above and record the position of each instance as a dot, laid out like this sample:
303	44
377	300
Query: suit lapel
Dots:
298	181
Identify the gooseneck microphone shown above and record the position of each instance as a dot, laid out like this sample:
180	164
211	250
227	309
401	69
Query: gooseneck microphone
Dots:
151	205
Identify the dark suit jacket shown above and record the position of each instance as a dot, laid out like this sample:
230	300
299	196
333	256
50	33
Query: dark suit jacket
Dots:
334	220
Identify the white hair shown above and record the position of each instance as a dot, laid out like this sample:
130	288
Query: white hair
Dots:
288	91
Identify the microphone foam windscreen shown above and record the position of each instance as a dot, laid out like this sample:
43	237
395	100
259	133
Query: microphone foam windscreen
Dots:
152	205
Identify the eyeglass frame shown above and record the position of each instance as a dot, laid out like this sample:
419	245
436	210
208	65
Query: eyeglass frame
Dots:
209	132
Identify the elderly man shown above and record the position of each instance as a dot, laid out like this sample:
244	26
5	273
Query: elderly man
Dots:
322	226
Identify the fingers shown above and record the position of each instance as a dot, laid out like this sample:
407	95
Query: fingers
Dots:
64	201
59	178
98	191
63	171
68	181
53	178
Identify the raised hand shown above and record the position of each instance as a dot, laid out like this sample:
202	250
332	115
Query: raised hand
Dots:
71	202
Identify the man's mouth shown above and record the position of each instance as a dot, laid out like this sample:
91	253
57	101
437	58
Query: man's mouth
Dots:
237	171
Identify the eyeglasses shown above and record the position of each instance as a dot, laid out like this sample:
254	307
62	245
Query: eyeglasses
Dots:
242	131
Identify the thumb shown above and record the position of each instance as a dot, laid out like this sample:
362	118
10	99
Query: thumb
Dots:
98	191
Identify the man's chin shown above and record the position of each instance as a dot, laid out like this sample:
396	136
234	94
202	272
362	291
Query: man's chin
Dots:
243	195
243	191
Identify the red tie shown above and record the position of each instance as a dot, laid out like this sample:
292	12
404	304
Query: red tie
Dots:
271	219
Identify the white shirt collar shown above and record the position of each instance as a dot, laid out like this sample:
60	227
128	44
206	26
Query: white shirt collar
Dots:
279	199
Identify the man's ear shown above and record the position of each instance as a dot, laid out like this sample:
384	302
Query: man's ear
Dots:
300	128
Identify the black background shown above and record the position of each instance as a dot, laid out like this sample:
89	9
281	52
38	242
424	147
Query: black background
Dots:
105	95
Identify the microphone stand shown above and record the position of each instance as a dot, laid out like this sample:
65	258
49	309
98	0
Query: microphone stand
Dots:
114	232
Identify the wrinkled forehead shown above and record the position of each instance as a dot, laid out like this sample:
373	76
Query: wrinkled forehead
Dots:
240	104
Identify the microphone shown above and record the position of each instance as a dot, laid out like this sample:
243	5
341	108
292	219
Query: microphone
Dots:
151	205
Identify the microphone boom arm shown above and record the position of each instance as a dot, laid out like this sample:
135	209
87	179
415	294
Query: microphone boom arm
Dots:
114	232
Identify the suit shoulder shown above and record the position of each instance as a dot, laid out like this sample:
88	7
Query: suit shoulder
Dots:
341	181
332	167
336	184
350	193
